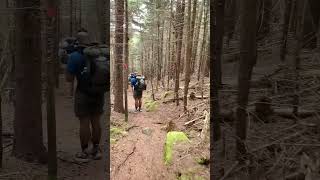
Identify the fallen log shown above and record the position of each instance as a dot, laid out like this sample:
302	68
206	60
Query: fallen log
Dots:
181	98
229	115
287	113
194	120
199	97
172	100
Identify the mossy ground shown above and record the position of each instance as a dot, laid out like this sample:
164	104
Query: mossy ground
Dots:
190	174
116	133
172	138
150	105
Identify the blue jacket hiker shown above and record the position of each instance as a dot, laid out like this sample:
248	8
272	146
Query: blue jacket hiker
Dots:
87	107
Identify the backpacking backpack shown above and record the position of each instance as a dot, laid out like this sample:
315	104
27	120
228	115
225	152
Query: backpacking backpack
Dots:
141	85
70	45
96	75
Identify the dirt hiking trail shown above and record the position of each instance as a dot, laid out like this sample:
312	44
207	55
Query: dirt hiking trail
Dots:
68	144
139	155
68	140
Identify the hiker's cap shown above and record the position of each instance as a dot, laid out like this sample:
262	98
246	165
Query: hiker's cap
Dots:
83	38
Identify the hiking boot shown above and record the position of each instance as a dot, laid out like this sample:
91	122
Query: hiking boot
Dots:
96	153
83	156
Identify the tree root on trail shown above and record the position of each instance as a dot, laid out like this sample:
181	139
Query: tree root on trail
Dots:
123	162
131	127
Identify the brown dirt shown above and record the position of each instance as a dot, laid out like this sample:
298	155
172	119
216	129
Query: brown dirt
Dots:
68	144
138	156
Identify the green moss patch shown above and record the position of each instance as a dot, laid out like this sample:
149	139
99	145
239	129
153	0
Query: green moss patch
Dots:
190	175
172	138
150	105
166	94
116	133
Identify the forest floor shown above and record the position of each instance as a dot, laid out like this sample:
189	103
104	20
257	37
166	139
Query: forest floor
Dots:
137	146
275	144
68	144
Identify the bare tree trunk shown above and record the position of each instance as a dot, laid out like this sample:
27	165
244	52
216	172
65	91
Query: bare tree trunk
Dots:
126	57
318	39
163	58
219	6
285	30
248	28
170	50
196	38
179	33
204	42
52	53
299	44
28	142
216	65
189	49
169	53
152	66
1	142
292	16
118	78
80	13
57	39
71	19
101	16
75	20
158	47
71	34
142	62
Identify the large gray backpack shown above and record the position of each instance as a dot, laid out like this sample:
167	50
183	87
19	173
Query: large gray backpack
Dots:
96	72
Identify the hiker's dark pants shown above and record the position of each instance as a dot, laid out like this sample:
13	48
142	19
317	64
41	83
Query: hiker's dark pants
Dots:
89	109
85	105
137	94
137	98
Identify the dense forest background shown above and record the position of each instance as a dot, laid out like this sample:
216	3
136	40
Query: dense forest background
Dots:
266	59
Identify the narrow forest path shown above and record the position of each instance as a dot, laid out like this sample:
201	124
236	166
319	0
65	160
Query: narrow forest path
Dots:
68	142
139	155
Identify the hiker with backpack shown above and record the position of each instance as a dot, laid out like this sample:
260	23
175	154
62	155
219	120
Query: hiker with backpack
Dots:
67	46
133	80
89	64
138	86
